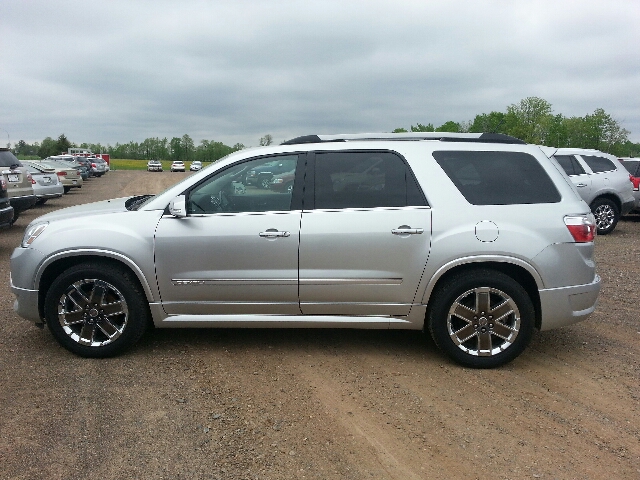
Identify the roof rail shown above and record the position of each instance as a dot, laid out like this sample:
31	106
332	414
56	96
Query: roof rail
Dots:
409	136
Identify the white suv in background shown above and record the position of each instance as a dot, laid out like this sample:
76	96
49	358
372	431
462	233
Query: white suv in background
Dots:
602	182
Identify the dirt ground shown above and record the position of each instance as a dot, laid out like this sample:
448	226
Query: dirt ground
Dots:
322	404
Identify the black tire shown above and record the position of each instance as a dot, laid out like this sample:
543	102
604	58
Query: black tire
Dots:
607	215
461	319
66	189
96	327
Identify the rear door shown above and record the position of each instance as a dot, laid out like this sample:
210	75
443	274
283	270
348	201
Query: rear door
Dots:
365	235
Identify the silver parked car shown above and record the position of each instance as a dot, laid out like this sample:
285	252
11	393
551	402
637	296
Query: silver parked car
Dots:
45	182
478	239
602	182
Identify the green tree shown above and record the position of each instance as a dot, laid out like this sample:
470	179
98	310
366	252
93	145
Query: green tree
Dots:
266	140
450	126
47	148
400	130
63	144
188	147
175	148
422	128
529	120
493	122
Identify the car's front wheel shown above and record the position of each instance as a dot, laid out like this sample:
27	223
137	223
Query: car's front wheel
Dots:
96	310
481	319
606	213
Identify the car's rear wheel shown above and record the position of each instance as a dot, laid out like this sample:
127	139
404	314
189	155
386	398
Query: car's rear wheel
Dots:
96	310
481	319
607	215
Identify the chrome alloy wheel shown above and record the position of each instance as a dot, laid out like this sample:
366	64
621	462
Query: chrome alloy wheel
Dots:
605	216
483	321
93	312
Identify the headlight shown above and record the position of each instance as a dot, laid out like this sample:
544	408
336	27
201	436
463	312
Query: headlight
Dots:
32	232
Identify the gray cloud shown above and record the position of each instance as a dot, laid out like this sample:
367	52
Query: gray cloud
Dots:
235	70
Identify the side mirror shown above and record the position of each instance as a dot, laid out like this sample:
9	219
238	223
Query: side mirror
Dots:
178	206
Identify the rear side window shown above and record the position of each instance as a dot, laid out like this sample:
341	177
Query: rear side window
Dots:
569	164
599	164
632	166
498	178
364	180
8	159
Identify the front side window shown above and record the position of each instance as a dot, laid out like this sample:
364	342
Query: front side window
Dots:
363	180
599	164
246	187
498	178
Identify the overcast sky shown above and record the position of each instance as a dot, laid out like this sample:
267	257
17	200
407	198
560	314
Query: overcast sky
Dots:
233	71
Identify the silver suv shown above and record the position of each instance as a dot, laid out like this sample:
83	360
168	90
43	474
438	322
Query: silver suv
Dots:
602	182
476	238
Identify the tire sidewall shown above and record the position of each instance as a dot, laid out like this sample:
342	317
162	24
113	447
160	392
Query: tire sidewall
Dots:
451	289
138	310
605	201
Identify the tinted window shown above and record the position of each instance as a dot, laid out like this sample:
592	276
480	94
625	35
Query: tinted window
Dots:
364	180
498	178
8	159
598	164
229	192
632	166
570	164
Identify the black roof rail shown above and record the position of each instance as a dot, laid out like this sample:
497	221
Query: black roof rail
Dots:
409	136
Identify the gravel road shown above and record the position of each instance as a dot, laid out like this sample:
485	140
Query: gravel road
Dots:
322	404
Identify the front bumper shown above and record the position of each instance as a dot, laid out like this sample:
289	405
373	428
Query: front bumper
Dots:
26	303
566	305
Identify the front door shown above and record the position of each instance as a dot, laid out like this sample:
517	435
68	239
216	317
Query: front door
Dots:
236	251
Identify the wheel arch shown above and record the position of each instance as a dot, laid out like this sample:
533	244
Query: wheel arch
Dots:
55	265
519	271
609	196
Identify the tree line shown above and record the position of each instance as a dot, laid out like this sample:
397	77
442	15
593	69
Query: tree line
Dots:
178	148
531	120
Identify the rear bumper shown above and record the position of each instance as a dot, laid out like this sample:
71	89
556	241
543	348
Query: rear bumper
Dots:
628	206
23	203
567	305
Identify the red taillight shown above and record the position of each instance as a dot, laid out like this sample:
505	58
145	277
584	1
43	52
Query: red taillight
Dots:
581	227
635	181
61	174
33	182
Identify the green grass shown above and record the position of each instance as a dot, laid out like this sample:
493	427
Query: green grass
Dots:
127	164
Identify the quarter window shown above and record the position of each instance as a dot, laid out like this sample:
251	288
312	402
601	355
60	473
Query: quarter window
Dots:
498	178
363	180
599	164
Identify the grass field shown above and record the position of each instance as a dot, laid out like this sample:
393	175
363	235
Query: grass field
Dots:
129	164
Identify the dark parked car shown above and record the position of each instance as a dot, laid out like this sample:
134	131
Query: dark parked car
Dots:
261	176
6	210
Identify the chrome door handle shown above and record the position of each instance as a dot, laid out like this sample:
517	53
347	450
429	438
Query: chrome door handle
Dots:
406	230
273	233
581	185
